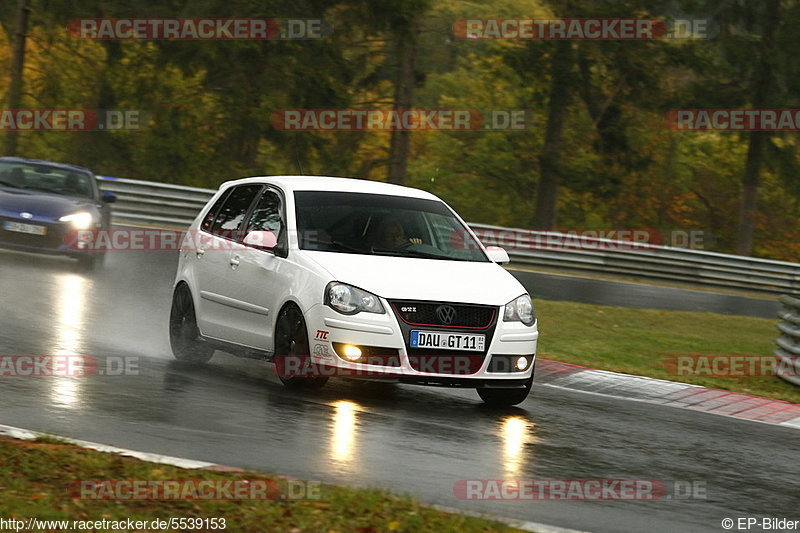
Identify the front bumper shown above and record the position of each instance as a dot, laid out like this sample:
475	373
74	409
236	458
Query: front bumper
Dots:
388	336
56	240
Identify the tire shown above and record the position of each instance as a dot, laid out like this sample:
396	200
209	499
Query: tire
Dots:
291	338
184	335
505	397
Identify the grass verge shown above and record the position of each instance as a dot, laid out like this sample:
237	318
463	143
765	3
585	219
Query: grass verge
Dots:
37	477
637	341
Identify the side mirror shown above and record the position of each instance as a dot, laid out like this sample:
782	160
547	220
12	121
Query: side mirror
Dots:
498	255
108	197
263	240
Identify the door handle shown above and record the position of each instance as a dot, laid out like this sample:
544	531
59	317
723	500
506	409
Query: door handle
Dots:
235	260
200	252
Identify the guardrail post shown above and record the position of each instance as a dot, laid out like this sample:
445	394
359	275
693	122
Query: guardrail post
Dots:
788	343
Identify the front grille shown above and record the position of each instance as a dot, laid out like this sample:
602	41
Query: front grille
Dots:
53	238
444	315
456	363
466	318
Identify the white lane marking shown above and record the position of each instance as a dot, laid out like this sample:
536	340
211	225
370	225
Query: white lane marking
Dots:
794	423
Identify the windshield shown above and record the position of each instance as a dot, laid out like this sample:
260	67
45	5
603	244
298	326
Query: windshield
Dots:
46	178
374	224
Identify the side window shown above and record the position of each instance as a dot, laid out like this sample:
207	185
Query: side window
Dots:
230	219
267	214
212	213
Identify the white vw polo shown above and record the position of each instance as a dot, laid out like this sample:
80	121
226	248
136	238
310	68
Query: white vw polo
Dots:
336	277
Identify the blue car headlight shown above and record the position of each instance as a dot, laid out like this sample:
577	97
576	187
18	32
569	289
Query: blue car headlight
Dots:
79	220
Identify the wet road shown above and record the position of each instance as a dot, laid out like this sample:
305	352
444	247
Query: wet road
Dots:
404	438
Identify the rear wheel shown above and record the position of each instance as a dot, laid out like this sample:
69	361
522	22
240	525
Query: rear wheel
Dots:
291	339
505	397
184	335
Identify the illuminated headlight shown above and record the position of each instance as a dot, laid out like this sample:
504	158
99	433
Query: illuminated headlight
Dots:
520	310
522	363
80	220
350	300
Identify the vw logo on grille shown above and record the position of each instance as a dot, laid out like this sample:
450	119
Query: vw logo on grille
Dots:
446	313
26	215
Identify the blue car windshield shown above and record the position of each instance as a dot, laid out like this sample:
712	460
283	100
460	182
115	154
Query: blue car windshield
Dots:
376	224
46	178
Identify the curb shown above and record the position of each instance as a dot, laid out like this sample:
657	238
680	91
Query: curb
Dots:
669	393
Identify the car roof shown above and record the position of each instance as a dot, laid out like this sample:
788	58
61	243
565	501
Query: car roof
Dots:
62	166
335	184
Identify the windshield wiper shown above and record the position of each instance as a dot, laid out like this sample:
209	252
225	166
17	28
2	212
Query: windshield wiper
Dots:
337	244
9	184
408	252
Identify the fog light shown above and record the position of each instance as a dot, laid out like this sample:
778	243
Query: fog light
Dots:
522	363
350	352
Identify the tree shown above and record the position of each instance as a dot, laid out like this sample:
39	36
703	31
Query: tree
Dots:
14	97
550	165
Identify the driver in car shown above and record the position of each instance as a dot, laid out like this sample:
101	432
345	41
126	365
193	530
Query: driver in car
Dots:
391	234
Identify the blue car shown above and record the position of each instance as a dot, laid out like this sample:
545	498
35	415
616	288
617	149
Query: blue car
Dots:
44	206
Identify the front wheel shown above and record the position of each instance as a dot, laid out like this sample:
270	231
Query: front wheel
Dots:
505	397
184	335
291	340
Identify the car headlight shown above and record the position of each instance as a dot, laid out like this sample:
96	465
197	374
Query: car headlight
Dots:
80	220
520	310
350	300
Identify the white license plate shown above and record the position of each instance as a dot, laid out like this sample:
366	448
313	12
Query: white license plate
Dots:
19	227
447	341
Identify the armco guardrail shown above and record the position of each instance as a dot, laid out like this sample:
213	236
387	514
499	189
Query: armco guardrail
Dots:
154	203
788	349
176	206
642	260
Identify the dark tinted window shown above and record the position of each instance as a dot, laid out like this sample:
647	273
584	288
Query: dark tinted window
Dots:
377	224
230	220
266	215
212	213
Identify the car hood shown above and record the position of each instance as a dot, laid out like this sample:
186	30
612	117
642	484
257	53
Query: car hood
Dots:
41	205
422	279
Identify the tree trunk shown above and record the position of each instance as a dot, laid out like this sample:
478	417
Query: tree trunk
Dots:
749	199
544	217
748	204
14	100
400	142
